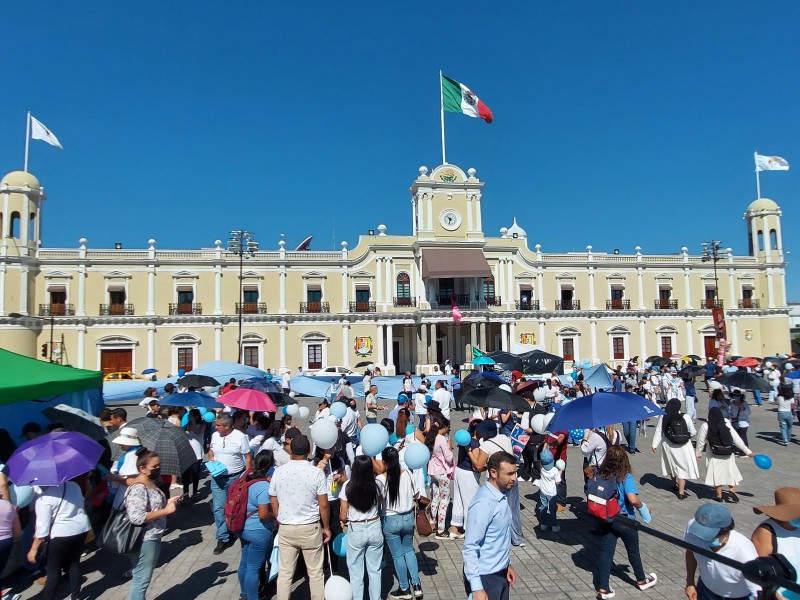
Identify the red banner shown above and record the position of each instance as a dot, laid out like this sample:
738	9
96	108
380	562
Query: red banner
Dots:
719	323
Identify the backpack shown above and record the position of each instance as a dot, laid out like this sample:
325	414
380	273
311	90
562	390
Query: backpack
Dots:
677	432
721	443
602	497
235	509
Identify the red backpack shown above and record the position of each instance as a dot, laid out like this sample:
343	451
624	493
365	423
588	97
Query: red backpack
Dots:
235	509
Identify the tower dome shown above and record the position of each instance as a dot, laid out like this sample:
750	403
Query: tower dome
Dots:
516	229
21	179
762	204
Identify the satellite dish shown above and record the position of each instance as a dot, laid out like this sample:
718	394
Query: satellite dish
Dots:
305	244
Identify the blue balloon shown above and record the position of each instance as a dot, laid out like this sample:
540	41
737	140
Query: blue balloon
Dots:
185	420
339	410
410	428
393	439
203	410
417	456
374	438
462	437
209	417
762	461
21	495
340	545
181	372
284	410
428	398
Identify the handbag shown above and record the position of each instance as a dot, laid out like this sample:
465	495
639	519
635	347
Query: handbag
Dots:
44	545
422	519
119	535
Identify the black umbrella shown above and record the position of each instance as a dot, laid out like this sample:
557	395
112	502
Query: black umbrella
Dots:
494	397
281	399
196	381
658	361
363	363
485	379
75	419
505	361
694	357
744	380
691	371
163	437
537	362
261	384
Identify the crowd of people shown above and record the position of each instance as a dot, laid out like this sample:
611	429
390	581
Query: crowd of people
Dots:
277	492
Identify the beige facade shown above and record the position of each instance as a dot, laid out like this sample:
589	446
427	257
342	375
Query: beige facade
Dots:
386	301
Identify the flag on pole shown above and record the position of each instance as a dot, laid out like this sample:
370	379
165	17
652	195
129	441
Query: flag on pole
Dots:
456	97
771	163
40	132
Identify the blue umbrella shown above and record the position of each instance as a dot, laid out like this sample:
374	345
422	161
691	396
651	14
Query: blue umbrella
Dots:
601	409
190	399
483	360
149	371
261	384
793	375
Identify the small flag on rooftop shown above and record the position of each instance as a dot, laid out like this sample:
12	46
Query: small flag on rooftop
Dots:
771	163
40	132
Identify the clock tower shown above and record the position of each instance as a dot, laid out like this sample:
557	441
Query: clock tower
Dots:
446	205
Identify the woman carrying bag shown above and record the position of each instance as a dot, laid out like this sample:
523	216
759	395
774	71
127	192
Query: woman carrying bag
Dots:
147	506
674	434
721	466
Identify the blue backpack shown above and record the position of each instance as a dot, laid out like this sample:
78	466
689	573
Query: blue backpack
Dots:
603	498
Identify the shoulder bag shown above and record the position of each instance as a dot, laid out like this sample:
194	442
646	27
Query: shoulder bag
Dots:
44	545
119	535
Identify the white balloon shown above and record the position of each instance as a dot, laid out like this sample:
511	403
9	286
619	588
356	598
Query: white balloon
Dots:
338	588
293	410
714	385
506	387
547	418
303	412
291	394
539	394
537	423
324	433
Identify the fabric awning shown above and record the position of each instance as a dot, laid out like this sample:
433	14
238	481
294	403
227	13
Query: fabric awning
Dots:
438	263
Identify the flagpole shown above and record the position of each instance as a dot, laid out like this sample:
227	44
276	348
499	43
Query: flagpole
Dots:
27	139
441	108
758	176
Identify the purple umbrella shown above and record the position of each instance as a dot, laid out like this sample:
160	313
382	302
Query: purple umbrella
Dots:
53	459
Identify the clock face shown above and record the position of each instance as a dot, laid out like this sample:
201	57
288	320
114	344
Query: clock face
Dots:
450	219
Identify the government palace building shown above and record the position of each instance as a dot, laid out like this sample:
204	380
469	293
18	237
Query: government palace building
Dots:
387	300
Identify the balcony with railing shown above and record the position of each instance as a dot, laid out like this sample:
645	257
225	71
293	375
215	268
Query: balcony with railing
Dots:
446	300
711	303
405	302
568	304
618	304
362	306
662	304
750	303
251	308
116	309
526	304
315	307
185	308
493	301
56	310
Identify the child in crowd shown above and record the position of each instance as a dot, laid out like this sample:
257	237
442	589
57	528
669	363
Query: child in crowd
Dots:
548	490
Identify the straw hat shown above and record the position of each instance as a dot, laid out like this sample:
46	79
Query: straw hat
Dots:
786	507
128	436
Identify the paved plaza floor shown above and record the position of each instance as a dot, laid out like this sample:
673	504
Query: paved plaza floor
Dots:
550	565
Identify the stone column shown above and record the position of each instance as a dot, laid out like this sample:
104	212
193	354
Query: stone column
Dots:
23	289
473	335
689	337
345	301
389	283
504	336
512	333
432	338
81	346
422	346
345	344
218	341
2	288
218	290
540	288
390	366
484	343
283	328
541	340
81	291
642	340
592	305
151	290
378	295
380	344
770	288
733	338
687	289
640	284
151	345
593	336
732	289
282	286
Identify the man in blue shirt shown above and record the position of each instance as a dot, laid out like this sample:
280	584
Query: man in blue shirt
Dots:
488	573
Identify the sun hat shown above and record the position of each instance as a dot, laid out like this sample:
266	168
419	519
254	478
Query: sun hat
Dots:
786	507
708	520
487	429
128	436
546	458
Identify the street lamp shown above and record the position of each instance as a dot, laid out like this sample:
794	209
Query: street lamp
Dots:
713	251
242	244
16	315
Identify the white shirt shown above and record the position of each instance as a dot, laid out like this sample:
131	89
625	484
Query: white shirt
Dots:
366	382
127	469
405	495
321	414
408	384
66	517
548	481
230	450
286	381
355	515
723	580
349	423
498	443
442	396
297	484
420	407
347	391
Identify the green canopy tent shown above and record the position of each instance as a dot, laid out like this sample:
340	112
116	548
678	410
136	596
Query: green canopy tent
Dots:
23	378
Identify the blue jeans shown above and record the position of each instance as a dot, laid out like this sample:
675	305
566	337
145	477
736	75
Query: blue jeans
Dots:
691	408
144	563
785	421
365	544
609	532
495	585
546	510
757	397
256	545
703	593
399	533
219	494
629	430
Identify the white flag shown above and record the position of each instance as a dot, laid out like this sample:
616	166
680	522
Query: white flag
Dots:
771	163
40	132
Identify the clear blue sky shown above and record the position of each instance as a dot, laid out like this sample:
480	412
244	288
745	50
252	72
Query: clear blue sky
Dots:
616	123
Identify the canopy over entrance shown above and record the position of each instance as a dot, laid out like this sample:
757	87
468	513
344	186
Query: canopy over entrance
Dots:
438	263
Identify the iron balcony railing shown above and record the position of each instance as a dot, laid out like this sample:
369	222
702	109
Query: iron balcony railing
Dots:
362	306
446	299
251	308
666	304
568	304
56	310
525	304
618	304
185	308
116	309
493	301
315	307
711	303
405	301
750	303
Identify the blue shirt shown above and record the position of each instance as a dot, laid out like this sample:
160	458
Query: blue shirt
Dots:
628	486
258	493
689	386
487	541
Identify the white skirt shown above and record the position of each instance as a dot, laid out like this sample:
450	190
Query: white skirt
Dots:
465	485
722	470
678	460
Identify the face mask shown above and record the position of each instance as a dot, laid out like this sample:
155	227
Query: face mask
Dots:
715	543
795	522
155	474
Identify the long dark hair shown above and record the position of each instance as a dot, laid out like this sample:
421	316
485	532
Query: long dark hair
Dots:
717	428
673	410
438	422
7	446
262	463
616	464
275	429
143	455
403	419
391	458
362	489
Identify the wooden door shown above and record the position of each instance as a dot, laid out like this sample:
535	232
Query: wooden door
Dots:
710	345
116	360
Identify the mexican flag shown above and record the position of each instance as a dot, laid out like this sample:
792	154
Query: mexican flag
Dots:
456	97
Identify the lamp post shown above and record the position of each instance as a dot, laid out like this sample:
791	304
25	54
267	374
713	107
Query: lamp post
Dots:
243	244
713	251
16	315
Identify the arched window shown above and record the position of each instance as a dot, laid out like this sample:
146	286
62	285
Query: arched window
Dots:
13	226
773	239
403	289
760	241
